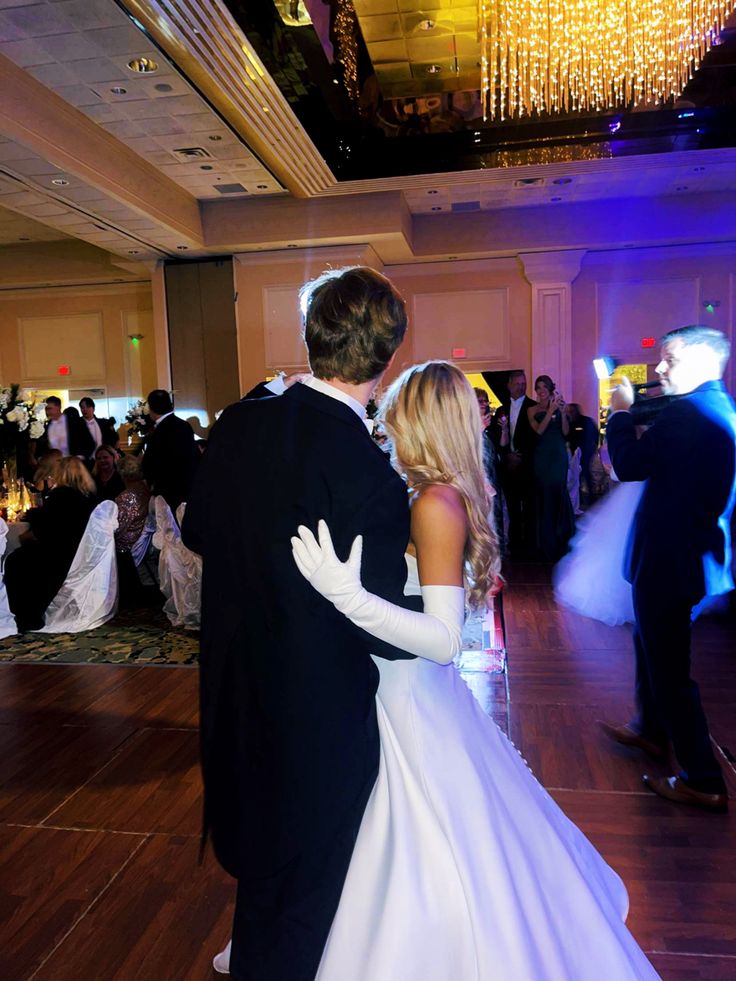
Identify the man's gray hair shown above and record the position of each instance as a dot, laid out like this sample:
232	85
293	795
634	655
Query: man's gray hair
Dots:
697	334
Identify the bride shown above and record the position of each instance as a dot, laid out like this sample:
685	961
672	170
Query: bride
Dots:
464	868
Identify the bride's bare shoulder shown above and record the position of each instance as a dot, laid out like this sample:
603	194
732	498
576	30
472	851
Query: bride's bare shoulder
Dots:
438	502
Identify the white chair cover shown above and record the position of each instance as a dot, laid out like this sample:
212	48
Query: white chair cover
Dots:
140	548
179	570
7	620
573	479
89	597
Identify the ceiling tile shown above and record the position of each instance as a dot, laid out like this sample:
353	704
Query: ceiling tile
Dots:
90	14
78	95
37	20
25	53
91	70
126	39
71	47
53	75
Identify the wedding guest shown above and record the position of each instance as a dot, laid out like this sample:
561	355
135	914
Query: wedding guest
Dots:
132	505
490	456
108	481
102	431
515	469
36	571
171	458
68	435
583	435
43	476
555	524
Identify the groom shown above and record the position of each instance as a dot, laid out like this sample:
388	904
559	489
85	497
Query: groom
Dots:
290	744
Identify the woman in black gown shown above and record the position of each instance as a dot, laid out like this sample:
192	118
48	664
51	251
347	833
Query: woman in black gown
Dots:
36	571
555	520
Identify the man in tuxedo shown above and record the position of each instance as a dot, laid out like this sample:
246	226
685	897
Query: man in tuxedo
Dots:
290	745
101	430
516	453
678	552
171	456
68	435
583	436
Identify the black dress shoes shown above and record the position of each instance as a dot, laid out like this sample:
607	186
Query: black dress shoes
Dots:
675	789
626	736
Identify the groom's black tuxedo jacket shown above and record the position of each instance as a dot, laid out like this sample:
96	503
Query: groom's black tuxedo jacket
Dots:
289	735
680	536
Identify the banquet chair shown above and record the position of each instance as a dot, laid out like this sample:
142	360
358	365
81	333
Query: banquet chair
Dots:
140	549
179	570
7	620
89	596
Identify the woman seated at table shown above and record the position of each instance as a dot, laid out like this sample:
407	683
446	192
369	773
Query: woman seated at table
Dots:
108	481
36	571
43	477
132	513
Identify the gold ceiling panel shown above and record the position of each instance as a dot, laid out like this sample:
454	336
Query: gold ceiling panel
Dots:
437	42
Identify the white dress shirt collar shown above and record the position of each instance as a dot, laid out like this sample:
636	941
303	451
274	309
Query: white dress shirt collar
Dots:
335	393
161	418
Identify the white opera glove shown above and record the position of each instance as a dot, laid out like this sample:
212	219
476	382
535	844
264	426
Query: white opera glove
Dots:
435	634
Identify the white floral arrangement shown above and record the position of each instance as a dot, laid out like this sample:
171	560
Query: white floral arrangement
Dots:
21	409
137	418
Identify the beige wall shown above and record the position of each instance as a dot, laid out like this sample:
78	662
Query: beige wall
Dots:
110	313
485	306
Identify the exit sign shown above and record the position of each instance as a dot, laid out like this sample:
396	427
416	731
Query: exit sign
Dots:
63	370
647	342
458	352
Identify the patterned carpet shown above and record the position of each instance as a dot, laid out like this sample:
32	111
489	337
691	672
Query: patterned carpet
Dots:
140	636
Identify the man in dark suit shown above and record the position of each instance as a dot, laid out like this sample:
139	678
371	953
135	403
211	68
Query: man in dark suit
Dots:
583	436
171	456
678	552
102	431
68	435
290	746
515	440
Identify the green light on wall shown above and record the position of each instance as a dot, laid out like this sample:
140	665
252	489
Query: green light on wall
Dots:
135	339
709	308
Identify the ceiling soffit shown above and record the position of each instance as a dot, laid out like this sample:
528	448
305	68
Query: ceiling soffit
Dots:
204	40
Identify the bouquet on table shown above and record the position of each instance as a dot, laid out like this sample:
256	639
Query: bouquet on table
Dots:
22	418
138	420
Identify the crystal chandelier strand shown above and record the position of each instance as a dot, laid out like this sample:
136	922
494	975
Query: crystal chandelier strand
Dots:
559	56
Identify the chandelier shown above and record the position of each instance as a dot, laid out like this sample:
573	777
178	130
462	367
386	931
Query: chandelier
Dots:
573	55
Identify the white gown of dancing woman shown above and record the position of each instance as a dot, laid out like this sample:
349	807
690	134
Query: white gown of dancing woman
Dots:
465	869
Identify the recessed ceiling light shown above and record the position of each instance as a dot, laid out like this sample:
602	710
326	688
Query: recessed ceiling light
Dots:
144	66
182	248
23	239
216	138
434	69
60	181
698	170
205	167
555	199
682	187
433	192
262	187
292	246
562	180
118	90
134	251
452	257
265	108
427	25
437	207
164	87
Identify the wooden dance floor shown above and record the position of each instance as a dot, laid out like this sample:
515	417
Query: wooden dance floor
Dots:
100	803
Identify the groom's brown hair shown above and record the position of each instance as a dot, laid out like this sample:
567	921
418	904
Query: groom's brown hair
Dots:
354	320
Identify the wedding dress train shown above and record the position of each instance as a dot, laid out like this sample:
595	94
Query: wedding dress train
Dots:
465	869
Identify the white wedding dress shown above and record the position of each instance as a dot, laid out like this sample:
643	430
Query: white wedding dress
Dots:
464	868
590	580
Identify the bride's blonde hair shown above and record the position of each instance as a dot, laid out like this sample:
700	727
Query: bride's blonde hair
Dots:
430	414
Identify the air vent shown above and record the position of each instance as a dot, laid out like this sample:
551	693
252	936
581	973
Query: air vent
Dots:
466	206
529	181
231	189
192	153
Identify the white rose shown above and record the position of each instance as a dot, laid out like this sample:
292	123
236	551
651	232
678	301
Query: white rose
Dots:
36	429
12	416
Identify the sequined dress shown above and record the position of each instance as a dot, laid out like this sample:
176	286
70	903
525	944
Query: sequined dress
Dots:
132	514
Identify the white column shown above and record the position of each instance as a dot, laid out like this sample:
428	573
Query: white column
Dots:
551	275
